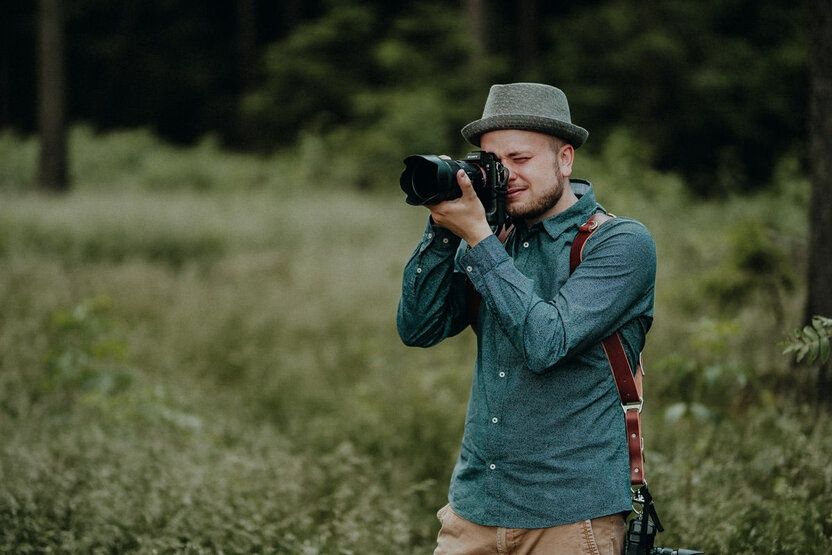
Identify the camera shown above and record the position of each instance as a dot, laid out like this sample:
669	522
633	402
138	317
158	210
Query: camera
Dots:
641	534
643	527
429	179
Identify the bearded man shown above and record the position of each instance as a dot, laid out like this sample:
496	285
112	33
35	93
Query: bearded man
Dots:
543	466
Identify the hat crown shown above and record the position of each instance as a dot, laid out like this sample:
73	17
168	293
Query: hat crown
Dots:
529	107
527	99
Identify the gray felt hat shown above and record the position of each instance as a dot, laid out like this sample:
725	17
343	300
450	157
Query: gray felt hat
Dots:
529	107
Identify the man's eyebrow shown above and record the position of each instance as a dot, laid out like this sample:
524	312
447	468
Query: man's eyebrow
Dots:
517	153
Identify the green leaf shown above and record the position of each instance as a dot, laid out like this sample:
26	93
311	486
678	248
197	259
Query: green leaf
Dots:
801	353
811	344
824	349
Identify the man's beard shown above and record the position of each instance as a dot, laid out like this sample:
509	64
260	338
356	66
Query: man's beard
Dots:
537	207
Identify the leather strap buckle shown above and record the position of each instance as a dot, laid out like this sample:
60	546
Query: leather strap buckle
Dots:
591	225
637	406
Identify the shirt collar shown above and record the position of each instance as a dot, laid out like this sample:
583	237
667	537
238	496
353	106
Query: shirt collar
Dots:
575	215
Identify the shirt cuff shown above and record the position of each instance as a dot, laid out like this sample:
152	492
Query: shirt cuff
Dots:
484	257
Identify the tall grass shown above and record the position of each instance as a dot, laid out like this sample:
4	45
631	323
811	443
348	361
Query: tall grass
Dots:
213	367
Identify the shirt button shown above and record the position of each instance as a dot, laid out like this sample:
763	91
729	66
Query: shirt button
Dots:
469	269
492	466
495	420
502	374
445	240
430	235
525	244
418	270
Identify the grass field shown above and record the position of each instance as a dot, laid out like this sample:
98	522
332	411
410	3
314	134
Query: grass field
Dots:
210	363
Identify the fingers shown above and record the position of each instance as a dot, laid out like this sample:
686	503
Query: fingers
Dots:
465	184
442	210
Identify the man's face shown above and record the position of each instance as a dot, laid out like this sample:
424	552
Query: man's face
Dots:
540	167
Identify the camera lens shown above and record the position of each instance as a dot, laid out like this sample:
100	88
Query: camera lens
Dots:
433	181
428	179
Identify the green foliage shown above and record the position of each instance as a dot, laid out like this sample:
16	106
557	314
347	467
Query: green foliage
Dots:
231	486
754	484
717	89
312	75
267	404
713	89
138	159
759	263
84	355
709	383
371	157
371	96
17	162
811	343
108	232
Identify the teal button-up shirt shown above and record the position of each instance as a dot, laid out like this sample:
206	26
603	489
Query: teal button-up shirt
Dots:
544	441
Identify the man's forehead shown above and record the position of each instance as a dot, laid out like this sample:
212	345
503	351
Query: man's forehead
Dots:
510	140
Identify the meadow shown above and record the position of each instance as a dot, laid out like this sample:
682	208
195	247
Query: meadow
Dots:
198	354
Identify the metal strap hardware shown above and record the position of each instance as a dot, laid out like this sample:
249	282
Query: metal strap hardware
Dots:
633	406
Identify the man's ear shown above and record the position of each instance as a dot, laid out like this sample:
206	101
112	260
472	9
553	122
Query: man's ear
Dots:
566	157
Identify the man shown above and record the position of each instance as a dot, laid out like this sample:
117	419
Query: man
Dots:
543	466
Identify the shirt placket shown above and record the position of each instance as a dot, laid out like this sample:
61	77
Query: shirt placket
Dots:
499	376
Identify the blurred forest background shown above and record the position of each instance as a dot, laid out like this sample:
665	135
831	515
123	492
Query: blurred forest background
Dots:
202	235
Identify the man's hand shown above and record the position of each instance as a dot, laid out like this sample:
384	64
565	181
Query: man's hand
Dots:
465	216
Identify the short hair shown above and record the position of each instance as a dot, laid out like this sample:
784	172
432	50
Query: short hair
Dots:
557	143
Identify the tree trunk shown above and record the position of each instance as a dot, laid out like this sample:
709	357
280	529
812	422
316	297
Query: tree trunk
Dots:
246	64
528	30
820	153
5	73
246	44
51	102
291	15
477	24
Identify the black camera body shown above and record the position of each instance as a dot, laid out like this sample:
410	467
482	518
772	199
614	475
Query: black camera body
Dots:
428	179
641	535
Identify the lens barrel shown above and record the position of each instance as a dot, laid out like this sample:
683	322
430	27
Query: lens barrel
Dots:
429	179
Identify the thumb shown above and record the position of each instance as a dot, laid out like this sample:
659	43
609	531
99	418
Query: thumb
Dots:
465	184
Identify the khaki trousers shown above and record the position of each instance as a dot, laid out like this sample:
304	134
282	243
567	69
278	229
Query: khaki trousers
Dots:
599	536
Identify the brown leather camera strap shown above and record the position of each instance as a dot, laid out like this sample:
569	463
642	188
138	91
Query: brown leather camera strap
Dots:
627	382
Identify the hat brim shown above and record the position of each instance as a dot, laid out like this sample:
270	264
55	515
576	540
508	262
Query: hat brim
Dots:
571	133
